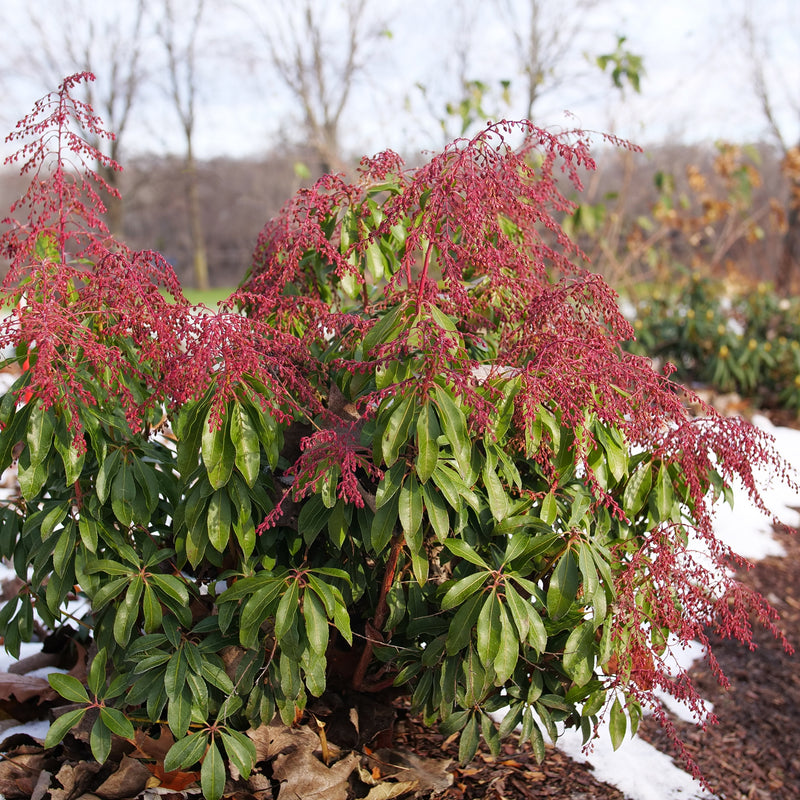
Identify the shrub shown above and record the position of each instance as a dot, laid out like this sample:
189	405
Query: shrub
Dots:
409	453
745	341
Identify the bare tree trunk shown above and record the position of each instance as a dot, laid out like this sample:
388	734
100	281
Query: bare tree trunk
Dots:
199	254
790	247
318	70
768	94
182	75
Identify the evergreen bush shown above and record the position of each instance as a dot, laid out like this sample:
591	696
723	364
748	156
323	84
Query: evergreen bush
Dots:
408	457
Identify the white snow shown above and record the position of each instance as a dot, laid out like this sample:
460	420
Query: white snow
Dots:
637	768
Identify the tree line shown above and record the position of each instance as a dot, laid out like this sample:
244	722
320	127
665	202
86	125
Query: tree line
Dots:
161	65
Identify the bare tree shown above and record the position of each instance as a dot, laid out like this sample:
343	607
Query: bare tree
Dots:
547	48
179	36
779	102
55	38
319	60
544	37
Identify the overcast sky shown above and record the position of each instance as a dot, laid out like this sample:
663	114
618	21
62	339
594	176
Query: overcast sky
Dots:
697	85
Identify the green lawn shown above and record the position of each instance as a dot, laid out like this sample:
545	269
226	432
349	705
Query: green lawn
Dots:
208	297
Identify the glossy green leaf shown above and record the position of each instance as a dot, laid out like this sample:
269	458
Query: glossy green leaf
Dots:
87	527
454	424
386	329
505	661
212	774
427	445
459	548
128	612
107	592
339	522
241	751
179	711
62	724
287	610
463	588
123	494
186	752
615	450
316	622
396	433
341	619
39	434
100	740
519	610
97	673
117	722
72	457
436	509
246	443
255	611
488	630
410	506
390	484
106	473
219	520
31	478
579	654
495	493
549	509
637	489
172	586
65	548
459	633
189	430
563	588
587	569
217	676
663	493
148	480
468	742
617	723
69	687
383	525
312	518
217	450
175	673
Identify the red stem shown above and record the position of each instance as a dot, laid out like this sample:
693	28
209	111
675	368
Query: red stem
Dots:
381	610
424	274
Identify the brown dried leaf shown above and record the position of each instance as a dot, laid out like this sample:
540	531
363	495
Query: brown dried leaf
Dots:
176	780
149	748
74	779
24	687
18	776
389	789
431	774
304	777
275	738
127	781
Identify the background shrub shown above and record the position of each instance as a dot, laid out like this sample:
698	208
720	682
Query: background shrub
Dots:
732	340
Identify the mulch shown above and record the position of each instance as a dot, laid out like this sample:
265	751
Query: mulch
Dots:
753	753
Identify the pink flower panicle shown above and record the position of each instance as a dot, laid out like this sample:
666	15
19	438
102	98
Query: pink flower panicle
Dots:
63	198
